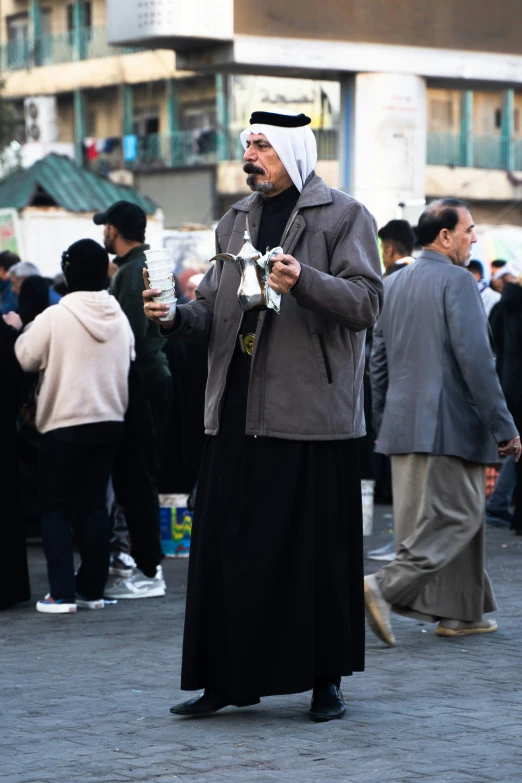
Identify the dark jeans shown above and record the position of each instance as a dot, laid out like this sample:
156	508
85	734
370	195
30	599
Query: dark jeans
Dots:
120	541
73	485
136	469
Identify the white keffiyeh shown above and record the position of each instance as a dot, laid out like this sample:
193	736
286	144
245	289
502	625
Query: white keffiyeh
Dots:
296	147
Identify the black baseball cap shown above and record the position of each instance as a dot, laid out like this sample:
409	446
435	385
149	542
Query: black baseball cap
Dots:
128	218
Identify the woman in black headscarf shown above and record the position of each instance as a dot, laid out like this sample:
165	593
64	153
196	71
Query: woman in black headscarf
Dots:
33	300
506	325
14	580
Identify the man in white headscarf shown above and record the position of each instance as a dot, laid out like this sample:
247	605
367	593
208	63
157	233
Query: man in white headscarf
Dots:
275	591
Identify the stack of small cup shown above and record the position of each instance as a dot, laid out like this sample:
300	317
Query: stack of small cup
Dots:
159	267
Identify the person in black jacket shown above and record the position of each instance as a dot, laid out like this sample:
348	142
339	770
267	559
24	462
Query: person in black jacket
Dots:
506	325
397	245
136	469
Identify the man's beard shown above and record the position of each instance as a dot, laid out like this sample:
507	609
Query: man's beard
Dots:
109	246
252	171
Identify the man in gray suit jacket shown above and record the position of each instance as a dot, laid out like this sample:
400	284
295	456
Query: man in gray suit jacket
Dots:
440	413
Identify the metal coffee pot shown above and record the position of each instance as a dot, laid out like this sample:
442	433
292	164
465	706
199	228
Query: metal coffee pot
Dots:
254	293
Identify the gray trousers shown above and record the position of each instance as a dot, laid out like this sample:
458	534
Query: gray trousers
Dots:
439	512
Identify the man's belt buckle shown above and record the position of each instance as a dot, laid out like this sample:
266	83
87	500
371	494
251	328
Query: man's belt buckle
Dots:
246	343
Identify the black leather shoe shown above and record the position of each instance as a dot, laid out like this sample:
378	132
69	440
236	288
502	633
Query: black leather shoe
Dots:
209	702
212	700
327	703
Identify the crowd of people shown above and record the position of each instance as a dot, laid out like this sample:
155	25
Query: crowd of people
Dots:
287	391
87	399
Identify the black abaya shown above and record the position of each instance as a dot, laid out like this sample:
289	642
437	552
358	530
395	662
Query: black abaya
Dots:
14	579
275	590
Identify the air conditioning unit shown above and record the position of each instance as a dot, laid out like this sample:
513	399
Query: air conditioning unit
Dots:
40	119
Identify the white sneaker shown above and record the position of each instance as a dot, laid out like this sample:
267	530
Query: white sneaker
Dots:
84	603
50	606
138	586
121	564
385	554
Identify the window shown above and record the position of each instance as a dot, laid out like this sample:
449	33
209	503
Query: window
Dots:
18	27
202	115
46	22
516	119
145	121
87	16
18	41
20	51
45	46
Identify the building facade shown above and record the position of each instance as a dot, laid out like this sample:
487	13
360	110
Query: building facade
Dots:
408	101
430	95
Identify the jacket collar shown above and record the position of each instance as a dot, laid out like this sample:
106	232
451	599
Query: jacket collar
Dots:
135	252
315	193
432	255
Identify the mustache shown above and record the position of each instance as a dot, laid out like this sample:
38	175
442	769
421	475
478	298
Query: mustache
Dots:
249	168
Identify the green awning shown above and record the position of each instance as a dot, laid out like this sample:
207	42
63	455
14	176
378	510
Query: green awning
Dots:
56	180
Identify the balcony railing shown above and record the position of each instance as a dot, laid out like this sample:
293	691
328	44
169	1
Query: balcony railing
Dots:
184	148
482	152
83	44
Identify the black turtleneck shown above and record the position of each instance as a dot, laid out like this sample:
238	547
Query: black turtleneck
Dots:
276	214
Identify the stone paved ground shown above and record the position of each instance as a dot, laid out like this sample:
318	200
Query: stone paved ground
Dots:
86	697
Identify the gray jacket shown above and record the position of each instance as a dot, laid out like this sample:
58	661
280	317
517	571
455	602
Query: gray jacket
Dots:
434	385
308	361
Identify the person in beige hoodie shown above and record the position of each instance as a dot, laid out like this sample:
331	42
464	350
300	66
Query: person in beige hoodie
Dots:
82	348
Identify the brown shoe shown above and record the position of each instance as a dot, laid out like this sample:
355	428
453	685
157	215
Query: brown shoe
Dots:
462	628
378	611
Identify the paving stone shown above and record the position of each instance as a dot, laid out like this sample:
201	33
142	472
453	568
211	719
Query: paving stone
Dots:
86	699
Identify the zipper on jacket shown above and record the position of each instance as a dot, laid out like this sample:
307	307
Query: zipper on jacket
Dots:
326	360
260	324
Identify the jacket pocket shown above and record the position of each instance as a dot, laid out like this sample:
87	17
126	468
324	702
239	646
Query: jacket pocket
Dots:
326	360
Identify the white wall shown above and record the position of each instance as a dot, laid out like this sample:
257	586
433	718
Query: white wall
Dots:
48	231
134	20
187	195
320	56
389	141
470	183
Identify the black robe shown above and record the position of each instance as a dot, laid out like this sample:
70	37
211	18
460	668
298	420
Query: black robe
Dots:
275	588
14	579
179	468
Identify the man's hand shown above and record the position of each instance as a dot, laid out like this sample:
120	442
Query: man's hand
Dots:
510	447
285	273
14	320
154	310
